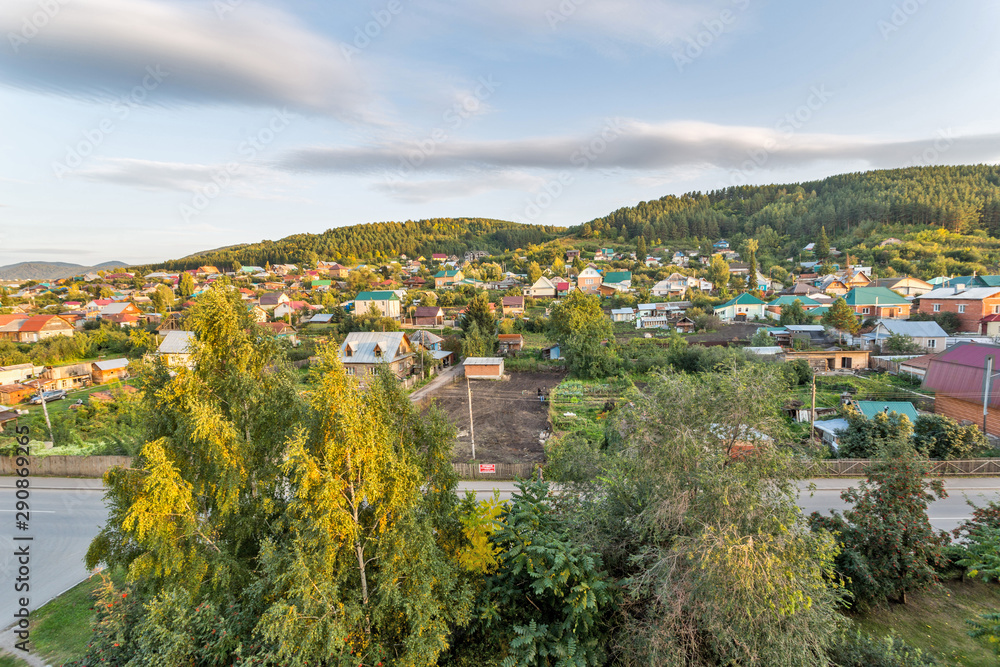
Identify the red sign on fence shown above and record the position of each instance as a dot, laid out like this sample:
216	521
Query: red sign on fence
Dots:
487	468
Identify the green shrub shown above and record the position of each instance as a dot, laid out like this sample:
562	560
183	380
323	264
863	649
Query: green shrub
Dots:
860	650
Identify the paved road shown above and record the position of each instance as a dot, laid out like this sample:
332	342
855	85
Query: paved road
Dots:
66	514
944	514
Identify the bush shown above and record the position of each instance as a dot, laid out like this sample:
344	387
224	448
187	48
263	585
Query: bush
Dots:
860	650
940	437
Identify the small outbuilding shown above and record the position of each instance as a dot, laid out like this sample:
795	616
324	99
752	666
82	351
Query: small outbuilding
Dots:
483	368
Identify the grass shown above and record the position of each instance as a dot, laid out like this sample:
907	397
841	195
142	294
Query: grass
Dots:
535	341
62	627
935	621
10	661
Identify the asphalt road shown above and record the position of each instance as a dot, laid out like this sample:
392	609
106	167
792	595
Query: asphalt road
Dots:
944	514
65	516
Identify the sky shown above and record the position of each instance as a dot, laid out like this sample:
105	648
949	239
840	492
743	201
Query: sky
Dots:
144	130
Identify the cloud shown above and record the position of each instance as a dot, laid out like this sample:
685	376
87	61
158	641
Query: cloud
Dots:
249	55
651	24
422	191
636	145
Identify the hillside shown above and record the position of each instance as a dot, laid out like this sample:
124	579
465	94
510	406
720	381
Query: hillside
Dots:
377	241
51	270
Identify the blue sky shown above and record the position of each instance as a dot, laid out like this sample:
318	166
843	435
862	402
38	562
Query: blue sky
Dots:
140	130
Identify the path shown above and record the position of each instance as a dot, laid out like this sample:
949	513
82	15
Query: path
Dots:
435	384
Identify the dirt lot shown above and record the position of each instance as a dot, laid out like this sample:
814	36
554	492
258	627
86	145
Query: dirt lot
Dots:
507	414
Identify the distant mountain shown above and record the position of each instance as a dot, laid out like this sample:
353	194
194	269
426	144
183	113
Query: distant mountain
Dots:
51	270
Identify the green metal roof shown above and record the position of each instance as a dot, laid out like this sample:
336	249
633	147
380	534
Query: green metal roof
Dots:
446	274
867	296
789	299
871	408
377	296
745	299
617	276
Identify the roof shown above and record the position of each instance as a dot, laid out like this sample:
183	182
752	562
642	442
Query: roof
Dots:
869	296
802	328
789	299
446	274
483	361
773	349
510	337
923	361
278	328
116	308
111	364
383	295
425	338
271	298
513	301
429	311
974	293
745	299
38	322
617	276
959	370
321	318
441	354
176	342
363	345
832	426
871	408
622	311
914	329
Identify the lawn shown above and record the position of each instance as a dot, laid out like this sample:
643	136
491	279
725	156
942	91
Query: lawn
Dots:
535	341
935	621
62	627
9	661
57	407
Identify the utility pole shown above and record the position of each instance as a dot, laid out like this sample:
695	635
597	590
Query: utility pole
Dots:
812	412
472	432
987	381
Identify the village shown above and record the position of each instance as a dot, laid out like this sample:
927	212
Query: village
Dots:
407	315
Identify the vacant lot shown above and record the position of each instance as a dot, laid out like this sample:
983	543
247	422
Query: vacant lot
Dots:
508	417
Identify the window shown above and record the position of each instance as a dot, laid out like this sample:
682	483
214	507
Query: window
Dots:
865	311
349	371
961	307
996	310
932	343
937	307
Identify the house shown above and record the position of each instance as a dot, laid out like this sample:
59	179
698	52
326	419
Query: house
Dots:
291	309
857	277
40	327
272	300
175	349
831	429
363	351
428	316
971	304
928	335
879	302
604	255
905	285
916	366
124	313
684	324
483	368
620	280
544	287
513	305
109	370
832	284
333	269
589	280
414	282
16	373
563	287
10	325
12	394
208	270
281	330
622	315
257	314
510	343
571	255
743	307
426	340
956	376
475	255
830	360
386	302
70	376
721	244
773	310
439	257
447	277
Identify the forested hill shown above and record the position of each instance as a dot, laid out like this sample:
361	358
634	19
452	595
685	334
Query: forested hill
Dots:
377	241
960	199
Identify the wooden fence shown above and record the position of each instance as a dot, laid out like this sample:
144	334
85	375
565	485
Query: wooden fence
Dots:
65	466
857	468
505	471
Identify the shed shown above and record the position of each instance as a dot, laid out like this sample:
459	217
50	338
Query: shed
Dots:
871	408
485	368
109	370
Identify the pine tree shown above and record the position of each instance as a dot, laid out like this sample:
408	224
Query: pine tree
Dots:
841	317
822	248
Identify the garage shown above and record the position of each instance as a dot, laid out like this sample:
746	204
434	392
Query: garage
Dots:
483	368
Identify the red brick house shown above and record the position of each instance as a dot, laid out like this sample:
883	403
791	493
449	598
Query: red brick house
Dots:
956	376
428	316
970	304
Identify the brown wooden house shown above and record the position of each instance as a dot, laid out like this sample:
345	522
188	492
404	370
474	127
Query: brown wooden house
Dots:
428	316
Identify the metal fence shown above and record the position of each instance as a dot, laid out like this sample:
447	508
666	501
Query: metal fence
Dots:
858	468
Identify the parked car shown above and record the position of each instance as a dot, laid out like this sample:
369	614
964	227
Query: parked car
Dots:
54	395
